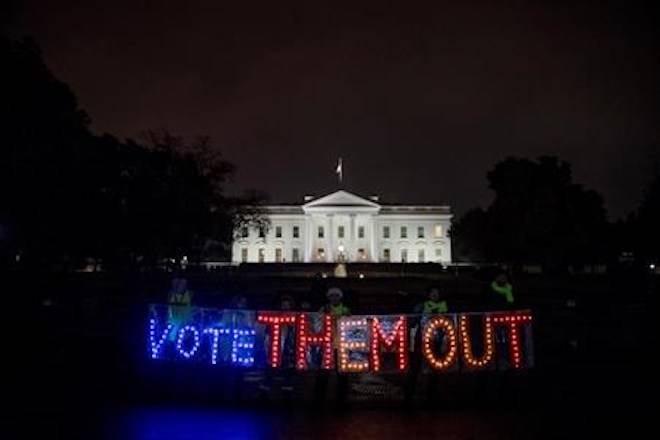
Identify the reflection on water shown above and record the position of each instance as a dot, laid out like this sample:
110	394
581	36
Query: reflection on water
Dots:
191	423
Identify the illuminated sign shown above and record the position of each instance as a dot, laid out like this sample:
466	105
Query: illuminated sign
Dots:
352	344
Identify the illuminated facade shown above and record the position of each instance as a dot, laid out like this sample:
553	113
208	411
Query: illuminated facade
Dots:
344	227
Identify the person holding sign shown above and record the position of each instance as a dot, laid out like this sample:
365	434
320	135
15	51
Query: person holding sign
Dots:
337	309
434	304
499	296
499	293
179	299
287	347
335	306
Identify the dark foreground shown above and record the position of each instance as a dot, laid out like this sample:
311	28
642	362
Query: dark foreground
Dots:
79	370
613	408
186	422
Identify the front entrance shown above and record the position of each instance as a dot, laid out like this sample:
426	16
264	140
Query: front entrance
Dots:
341	255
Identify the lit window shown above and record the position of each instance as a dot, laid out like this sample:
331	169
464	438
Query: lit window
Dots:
404	255
360	231
420	256
420	232
340	232
295	255
278	231
437	231
262	255
244	232
244	255
296	231
438	253
321	253
278	255
321	232
404	232
386	255
386	232
362	254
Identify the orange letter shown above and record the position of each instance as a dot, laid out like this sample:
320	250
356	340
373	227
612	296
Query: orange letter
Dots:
489	346
446	324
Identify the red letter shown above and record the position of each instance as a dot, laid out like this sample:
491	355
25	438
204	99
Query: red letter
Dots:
306	339
446	324
276	321
513	322
398	334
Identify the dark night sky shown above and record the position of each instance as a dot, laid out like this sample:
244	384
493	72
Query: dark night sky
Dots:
420	101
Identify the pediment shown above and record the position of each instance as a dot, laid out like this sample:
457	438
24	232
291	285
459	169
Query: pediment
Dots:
341	199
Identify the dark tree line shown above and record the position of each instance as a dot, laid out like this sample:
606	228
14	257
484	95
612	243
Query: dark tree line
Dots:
539	215
67	194
642	228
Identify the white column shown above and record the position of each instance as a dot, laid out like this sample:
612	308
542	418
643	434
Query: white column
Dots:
309	238
330	233
350	249
373	249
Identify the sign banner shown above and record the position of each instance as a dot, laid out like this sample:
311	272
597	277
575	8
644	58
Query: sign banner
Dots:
451	342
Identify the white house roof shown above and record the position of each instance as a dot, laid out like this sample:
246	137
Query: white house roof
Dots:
345	201
341	198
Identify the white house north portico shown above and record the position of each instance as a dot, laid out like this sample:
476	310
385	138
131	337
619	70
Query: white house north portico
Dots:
344	227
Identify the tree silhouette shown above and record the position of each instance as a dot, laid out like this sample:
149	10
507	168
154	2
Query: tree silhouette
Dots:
171	197
45	166
68	194
538	215
644	225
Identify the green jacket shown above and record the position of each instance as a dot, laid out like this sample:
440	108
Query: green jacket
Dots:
506	291
179	308
433	307
180	299
336	311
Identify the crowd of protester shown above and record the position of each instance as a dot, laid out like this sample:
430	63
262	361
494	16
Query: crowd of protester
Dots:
497	294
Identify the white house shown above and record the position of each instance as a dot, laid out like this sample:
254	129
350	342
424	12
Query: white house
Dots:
344	227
